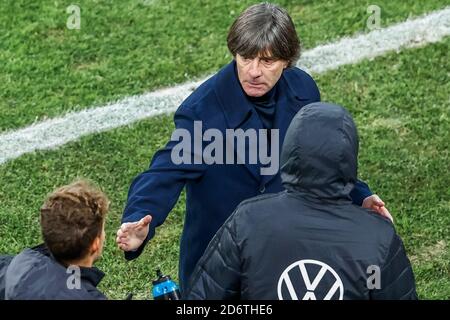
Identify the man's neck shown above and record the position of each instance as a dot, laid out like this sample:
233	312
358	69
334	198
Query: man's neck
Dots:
86	262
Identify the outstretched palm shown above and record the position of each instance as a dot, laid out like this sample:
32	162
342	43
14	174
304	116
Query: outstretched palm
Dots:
131	235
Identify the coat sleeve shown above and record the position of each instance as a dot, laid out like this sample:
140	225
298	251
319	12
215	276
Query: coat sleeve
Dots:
156	190
360	192
397	277
217	274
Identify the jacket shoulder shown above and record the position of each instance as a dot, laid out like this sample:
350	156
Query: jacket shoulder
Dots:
201	95
258	202
203	105
246	209
375	227
298	74
302	84
380	222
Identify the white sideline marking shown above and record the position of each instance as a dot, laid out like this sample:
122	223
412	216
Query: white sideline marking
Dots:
55	132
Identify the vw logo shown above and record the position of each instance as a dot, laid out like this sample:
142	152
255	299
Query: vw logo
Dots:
295	282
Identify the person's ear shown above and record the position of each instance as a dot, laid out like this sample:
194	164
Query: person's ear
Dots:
95	246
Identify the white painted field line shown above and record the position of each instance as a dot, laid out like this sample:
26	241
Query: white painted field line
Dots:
52	133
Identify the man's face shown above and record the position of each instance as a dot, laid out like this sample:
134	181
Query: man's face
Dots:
260	74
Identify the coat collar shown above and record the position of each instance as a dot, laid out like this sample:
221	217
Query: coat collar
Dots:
92	275
235	105
239	111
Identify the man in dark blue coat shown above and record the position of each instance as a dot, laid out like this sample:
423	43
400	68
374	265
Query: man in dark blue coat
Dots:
260	91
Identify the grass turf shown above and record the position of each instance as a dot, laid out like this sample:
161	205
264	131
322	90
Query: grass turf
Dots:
133	46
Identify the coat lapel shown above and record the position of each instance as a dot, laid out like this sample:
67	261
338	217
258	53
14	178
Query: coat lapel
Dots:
240	113
237	110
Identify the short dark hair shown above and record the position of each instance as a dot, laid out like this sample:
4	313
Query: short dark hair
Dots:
264	28
71	218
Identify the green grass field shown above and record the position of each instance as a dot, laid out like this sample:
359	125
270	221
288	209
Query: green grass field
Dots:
401	104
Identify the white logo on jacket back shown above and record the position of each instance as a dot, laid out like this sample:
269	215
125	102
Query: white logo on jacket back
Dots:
298	282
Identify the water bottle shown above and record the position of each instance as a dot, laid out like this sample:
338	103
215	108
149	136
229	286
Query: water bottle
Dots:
164	288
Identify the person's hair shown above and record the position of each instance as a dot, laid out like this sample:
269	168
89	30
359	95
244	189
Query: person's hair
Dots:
71	218
262	29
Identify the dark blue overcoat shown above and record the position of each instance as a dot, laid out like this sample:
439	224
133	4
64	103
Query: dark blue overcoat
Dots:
214	190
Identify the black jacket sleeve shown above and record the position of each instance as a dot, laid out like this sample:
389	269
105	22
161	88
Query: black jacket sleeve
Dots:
397	277
217	274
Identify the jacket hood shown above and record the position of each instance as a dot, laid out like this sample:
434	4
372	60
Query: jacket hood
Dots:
320	152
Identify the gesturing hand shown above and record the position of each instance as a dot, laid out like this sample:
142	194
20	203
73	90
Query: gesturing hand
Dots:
131	235
374	203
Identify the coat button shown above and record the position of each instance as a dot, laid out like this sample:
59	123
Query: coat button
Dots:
262	188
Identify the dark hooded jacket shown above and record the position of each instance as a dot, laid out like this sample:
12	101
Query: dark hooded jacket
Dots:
35	275
310	241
